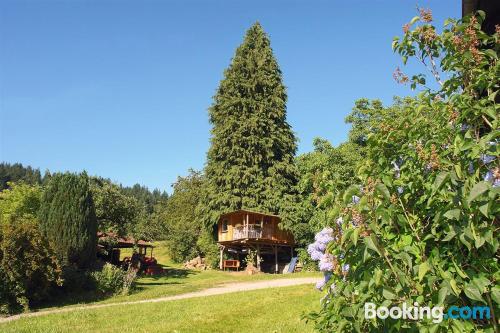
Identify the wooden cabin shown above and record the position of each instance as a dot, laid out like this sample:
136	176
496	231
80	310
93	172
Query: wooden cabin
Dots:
244	230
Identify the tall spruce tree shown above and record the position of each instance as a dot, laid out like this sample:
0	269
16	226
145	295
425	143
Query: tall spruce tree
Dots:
68	219
250	164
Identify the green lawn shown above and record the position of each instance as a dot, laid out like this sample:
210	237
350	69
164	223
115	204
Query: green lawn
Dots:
176	281
271	310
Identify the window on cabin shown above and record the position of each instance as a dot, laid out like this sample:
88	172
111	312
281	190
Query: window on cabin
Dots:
224	226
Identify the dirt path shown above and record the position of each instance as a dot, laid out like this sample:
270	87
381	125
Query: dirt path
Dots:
224	289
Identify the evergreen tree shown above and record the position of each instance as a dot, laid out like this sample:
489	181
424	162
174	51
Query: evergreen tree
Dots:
18	173
68	218
250	164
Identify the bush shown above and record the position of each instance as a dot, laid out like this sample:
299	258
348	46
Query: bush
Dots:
19	200
209	248
113	280
28	267
422	226
76	280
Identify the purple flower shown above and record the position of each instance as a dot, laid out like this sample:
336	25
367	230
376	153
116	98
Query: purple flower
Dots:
314	252
339	221
320	284
487	158
326	277
324	237
400	190
355	199
345	268
471	168
326	263
488	177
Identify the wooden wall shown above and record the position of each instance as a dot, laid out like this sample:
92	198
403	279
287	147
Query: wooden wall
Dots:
270	228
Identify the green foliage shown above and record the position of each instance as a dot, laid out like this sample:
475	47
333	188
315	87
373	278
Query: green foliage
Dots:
251	258
328	171
28	267
425	228
208	247
68	219
19	200
364	115
250	163
178	220
115	211
325	172
308	265
113	280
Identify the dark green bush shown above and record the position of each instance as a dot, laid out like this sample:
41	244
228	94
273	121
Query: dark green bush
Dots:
68	219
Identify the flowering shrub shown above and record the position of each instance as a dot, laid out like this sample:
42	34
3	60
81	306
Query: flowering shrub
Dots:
327	262
422	224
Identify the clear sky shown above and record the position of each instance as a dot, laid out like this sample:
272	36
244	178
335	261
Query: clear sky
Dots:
121	88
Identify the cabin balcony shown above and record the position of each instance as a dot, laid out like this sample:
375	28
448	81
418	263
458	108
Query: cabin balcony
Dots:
250	232
242	226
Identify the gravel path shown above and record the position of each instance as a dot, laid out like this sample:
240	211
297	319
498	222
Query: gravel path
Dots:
224	289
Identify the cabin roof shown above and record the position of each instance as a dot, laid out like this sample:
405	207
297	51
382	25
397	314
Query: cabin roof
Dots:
121	242
248	212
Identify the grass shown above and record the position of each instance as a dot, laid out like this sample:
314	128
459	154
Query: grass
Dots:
272	310
176	281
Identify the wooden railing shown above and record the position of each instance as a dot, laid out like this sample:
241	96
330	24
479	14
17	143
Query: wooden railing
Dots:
251	231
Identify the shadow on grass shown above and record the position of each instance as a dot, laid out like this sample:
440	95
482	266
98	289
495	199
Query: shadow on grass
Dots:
60	298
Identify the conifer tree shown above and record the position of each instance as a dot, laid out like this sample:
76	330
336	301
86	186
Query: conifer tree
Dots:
68	219
250	164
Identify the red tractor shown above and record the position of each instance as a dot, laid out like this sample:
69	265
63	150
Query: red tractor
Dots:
143	263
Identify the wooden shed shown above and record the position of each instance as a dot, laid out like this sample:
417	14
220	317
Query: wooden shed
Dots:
244	230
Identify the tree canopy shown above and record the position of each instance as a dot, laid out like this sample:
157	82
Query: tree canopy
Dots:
115	211
177	219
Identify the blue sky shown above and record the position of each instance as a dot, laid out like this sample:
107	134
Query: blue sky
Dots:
121	88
